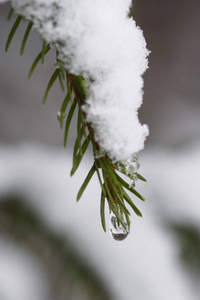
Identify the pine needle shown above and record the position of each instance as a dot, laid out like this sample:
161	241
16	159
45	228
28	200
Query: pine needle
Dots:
102	211
85	183
37	59
68	121
51	82
28	29
12	32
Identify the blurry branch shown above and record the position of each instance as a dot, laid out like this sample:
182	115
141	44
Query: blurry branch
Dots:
188	237
70	276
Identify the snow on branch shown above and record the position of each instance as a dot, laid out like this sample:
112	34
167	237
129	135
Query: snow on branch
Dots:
97	40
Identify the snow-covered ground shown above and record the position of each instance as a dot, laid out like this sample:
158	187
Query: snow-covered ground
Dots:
145	265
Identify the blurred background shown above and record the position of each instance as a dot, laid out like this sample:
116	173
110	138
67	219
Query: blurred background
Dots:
53	248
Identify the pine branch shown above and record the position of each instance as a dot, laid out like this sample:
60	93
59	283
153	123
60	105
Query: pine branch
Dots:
112	185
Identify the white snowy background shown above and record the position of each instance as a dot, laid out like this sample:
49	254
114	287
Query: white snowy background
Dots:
32	163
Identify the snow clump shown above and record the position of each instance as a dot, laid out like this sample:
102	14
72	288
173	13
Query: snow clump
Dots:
97	40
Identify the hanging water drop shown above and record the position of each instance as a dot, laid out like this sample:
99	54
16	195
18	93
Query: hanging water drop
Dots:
134	177
132	183
117	231
58	116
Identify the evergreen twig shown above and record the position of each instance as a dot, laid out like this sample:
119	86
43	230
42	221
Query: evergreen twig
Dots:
112	185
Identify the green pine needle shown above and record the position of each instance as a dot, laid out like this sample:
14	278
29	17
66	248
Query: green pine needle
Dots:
99	177
111	201
112	204
62	85
64	107
102	211
68	121
51	82
10	14
37	59
130	202
66	100
12	32
28	29
85	183
80	155
77	146
130	188
119	198
79	123
141	177
43	52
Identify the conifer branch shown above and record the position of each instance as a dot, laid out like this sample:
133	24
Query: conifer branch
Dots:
112	185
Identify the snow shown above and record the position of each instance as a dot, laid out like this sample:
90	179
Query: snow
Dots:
96	39
145	265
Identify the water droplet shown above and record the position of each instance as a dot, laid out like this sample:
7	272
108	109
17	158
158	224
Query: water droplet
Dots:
132	167
132	183
58	116
135	177
117	231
